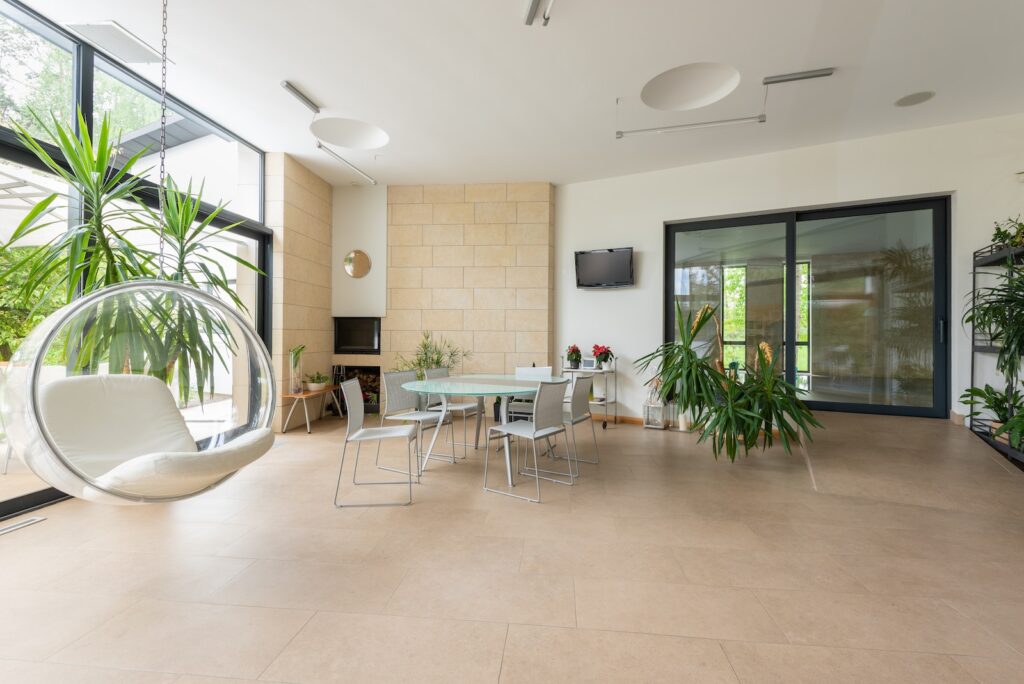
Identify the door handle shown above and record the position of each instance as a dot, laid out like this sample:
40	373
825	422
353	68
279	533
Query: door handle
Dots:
942	331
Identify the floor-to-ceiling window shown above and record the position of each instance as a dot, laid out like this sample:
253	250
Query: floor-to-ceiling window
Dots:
44	72
855	299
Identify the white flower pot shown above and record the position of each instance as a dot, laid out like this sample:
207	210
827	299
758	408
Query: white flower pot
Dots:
315	386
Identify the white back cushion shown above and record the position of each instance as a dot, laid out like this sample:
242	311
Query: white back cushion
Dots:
101	421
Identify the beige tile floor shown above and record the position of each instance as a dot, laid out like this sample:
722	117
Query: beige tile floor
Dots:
660	565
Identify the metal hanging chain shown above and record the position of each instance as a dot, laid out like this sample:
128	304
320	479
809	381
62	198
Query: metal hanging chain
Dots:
163	130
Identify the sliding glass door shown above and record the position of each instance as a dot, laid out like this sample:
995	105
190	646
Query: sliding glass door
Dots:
855	299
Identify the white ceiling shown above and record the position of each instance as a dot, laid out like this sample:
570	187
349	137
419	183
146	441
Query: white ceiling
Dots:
469	93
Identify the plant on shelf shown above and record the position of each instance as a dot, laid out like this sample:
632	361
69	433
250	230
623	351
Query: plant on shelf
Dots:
573	355
1002	405
431	353
316	381
1012	431
998	313
603	355
1009	233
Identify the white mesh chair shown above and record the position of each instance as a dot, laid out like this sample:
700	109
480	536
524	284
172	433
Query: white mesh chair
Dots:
524	407
579	412
355	432
402	405
464	408
547	423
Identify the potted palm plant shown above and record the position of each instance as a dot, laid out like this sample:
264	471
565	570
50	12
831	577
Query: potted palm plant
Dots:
684	369
431	353
169	338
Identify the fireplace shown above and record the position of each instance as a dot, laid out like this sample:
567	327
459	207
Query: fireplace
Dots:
369	381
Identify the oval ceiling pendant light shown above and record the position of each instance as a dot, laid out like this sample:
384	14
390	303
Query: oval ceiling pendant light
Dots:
690	86
350	133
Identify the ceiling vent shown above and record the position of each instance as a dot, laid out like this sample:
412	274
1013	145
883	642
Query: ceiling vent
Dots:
116	40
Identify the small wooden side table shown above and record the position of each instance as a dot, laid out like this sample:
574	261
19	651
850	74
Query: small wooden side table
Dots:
307	394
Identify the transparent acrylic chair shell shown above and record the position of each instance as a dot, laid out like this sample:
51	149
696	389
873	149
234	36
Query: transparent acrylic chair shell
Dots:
33	442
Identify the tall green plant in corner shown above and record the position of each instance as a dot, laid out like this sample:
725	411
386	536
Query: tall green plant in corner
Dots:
168	338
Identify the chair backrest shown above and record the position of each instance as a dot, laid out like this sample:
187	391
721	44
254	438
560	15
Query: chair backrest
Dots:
433	374
101	421
533	372
354	405
397	399
580	402
547	406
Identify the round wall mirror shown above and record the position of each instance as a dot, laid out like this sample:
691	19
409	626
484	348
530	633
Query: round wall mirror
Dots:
357	263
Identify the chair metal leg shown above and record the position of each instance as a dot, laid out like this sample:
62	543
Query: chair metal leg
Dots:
593	432
341	469
537	473
487	454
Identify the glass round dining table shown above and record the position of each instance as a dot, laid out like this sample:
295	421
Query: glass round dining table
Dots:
504	387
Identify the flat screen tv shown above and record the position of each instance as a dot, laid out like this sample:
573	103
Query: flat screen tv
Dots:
600	268
356	335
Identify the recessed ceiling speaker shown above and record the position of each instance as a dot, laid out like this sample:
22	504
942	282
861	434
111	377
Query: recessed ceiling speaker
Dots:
915	98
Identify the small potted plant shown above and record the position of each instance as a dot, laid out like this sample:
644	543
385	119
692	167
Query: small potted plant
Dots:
1009	233
1002	405
295	367
573	355
316	381
604	356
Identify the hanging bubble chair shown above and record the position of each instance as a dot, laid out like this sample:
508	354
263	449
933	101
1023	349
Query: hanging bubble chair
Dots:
143	392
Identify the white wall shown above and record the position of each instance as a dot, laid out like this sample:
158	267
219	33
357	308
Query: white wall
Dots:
975	161
360	217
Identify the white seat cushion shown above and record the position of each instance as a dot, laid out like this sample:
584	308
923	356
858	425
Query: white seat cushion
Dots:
180	473
398	431
461	407
428	417
525	428
101	421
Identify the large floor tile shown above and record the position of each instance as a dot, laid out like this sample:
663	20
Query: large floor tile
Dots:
878	622
1004	619
601	560
36	624
676	609
499	597
697	532
925	577
303	543
188	638
355	587
993	670
548	654
176	577
22	672
786	664
420	549
338	647
764	569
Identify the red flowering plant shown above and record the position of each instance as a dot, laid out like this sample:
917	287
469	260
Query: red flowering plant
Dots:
573	353
603	353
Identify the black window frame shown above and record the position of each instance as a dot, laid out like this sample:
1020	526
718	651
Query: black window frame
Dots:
11	149
940	204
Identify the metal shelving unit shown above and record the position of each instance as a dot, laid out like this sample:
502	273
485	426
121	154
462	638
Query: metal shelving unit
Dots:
989	260
609	400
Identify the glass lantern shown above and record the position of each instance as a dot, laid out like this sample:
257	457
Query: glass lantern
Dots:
655	416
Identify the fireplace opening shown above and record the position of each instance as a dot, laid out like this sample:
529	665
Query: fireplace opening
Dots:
369	382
